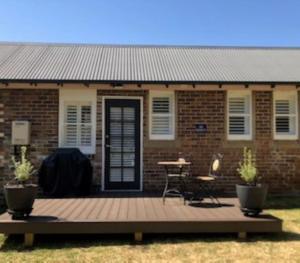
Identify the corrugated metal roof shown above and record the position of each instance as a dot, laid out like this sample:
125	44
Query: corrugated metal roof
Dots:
114	63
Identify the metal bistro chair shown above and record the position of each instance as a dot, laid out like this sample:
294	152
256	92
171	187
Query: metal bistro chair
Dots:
179	174
207	182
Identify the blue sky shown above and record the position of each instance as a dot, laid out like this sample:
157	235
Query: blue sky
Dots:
178	22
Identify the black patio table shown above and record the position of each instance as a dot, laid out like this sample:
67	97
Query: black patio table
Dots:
181	174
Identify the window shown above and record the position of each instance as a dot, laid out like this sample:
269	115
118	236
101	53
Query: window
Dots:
78	119
285	115
162	115
239	115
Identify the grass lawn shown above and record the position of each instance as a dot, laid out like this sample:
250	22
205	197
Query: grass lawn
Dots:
283	247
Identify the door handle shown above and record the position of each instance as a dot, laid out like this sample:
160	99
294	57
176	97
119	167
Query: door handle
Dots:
107	145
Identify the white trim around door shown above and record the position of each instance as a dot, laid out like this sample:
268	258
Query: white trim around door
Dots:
141	139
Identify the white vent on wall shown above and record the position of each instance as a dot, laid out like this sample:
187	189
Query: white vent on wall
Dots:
20	133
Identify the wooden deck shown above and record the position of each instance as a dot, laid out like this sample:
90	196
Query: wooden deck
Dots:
137	215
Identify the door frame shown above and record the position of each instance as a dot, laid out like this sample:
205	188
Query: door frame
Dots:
141	100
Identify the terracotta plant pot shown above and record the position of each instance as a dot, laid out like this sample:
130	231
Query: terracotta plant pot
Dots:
20	199
251	198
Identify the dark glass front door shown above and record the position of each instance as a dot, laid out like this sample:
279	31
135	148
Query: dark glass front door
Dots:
122	144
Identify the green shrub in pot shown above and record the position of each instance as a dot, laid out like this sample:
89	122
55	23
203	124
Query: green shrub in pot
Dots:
247	168
20	193
251	194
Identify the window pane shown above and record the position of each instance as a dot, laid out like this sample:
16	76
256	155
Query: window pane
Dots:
115	144
282	124
115	128
161	105
128	114
128	174
128	159
129	144
86	112
70	138
86	135
237	125
129	129
161	125
115	159
115	175
237	105
71	114
115	114
282	107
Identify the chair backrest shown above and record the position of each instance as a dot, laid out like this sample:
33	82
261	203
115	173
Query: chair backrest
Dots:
216	165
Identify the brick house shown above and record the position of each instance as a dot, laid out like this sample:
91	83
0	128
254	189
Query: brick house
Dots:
128	107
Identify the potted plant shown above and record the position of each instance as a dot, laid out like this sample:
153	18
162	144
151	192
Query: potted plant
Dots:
251	194
21	193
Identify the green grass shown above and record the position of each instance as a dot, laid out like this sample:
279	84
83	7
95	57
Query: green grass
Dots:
284	247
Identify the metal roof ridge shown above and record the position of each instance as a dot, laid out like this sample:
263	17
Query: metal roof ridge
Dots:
226	47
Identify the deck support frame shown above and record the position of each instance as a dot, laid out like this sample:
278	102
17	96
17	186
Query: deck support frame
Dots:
138	236
28	239
242	235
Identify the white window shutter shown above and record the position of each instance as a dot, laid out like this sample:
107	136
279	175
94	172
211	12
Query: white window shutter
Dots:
237	123
282	119
161	105
70	127
77	119
86	125
285	115
162	116
239	115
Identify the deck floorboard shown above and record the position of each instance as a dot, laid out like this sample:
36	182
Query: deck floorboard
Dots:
140	213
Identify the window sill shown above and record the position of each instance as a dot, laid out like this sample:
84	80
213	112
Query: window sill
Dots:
239	138
85	151
175	143
158	138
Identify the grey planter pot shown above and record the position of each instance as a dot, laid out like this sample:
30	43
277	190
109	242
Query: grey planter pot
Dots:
20	199
252	198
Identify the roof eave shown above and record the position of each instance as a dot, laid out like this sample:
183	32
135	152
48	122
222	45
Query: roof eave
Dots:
169	82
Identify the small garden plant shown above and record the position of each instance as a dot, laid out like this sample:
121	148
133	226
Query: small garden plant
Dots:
23	169
247	167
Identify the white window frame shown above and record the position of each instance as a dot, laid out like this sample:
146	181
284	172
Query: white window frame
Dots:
79	96
281	94
171	95
237	94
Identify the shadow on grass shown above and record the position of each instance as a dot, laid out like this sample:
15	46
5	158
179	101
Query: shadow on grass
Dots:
283	203
15	242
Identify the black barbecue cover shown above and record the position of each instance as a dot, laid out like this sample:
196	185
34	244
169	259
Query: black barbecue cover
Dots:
66	172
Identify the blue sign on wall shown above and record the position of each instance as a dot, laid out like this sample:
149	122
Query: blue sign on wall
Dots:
201	128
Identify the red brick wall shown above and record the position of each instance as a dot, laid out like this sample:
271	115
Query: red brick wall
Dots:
40	107
278	161
1	136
